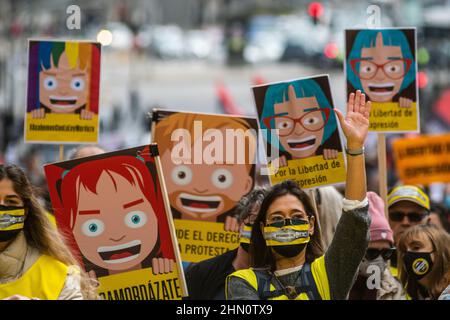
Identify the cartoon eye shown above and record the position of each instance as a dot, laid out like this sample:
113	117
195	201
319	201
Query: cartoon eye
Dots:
77	84
93	227
393	69
222	178
181	175
284	125
308	121
366	69
50	83
135	219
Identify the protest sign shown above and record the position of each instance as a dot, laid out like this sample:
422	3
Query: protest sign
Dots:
423	159
382	64
112	210
209	165
298	122
63	92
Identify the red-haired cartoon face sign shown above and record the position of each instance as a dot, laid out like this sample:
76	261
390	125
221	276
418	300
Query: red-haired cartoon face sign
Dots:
111	209
115	219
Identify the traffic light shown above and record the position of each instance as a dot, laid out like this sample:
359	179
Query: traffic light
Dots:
315	11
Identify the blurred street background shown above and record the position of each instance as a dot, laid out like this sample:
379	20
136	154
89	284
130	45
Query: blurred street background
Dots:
204	55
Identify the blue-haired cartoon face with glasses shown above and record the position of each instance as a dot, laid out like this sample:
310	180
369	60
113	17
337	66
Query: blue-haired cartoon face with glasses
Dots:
303	116
381	64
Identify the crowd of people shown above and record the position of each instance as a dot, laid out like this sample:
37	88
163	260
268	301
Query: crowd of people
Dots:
293	244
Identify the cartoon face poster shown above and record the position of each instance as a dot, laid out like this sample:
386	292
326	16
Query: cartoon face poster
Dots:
209	164
111	209
382	64
63	92
300	130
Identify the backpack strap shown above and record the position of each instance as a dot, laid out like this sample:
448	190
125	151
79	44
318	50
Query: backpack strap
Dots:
308	284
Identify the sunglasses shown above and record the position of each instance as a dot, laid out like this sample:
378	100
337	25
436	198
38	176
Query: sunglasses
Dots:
412	216
386	254
286	222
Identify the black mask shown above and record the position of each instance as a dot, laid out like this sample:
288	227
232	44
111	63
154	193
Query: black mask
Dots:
245	246
418	264
8	235
289	251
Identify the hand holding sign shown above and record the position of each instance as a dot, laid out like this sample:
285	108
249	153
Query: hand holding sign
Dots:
162	265
355	125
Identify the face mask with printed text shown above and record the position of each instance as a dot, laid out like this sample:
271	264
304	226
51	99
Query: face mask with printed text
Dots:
288	240
11	222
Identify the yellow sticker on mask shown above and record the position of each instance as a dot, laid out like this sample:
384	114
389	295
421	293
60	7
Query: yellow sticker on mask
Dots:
245	235
286	235
12	219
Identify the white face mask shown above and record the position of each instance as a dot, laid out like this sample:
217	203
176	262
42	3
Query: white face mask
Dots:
378	262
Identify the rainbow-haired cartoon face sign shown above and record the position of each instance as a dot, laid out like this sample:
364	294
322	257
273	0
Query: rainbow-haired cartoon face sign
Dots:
63	92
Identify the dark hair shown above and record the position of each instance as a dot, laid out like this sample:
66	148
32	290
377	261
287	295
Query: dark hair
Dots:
249	203
261	255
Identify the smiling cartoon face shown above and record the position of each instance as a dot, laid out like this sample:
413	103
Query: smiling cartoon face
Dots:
300	122
116	228
63	89
205	191
381	70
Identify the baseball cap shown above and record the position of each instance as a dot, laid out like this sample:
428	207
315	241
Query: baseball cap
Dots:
409	193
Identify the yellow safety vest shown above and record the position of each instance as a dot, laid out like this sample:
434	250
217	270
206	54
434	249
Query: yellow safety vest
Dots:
394	271
315	272
44	280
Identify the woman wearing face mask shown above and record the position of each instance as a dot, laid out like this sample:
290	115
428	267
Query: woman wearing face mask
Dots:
34	261
206	279
286	252
375	281
424	261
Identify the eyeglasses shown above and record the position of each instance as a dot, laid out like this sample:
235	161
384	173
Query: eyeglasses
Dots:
279	223
398	216
386	254
311	121
394	69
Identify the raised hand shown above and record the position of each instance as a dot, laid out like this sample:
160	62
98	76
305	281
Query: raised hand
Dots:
355	124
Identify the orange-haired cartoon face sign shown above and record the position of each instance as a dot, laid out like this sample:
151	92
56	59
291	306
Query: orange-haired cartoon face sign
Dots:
116	227
205	191
63	89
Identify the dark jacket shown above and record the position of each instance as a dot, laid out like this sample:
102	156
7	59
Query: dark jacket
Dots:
206	279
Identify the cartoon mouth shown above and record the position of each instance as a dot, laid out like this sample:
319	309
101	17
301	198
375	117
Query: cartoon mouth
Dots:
120	253
303	144
63	101
200	203
384	88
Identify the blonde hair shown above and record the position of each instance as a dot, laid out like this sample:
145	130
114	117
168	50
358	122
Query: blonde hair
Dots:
440	273
329	203
39	231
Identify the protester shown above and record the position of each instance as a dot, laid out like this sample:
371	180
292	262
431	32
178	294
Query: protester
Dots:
206	279
34	261
329	206
86	151
375	281
408	205
286	252
438	216
424	261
